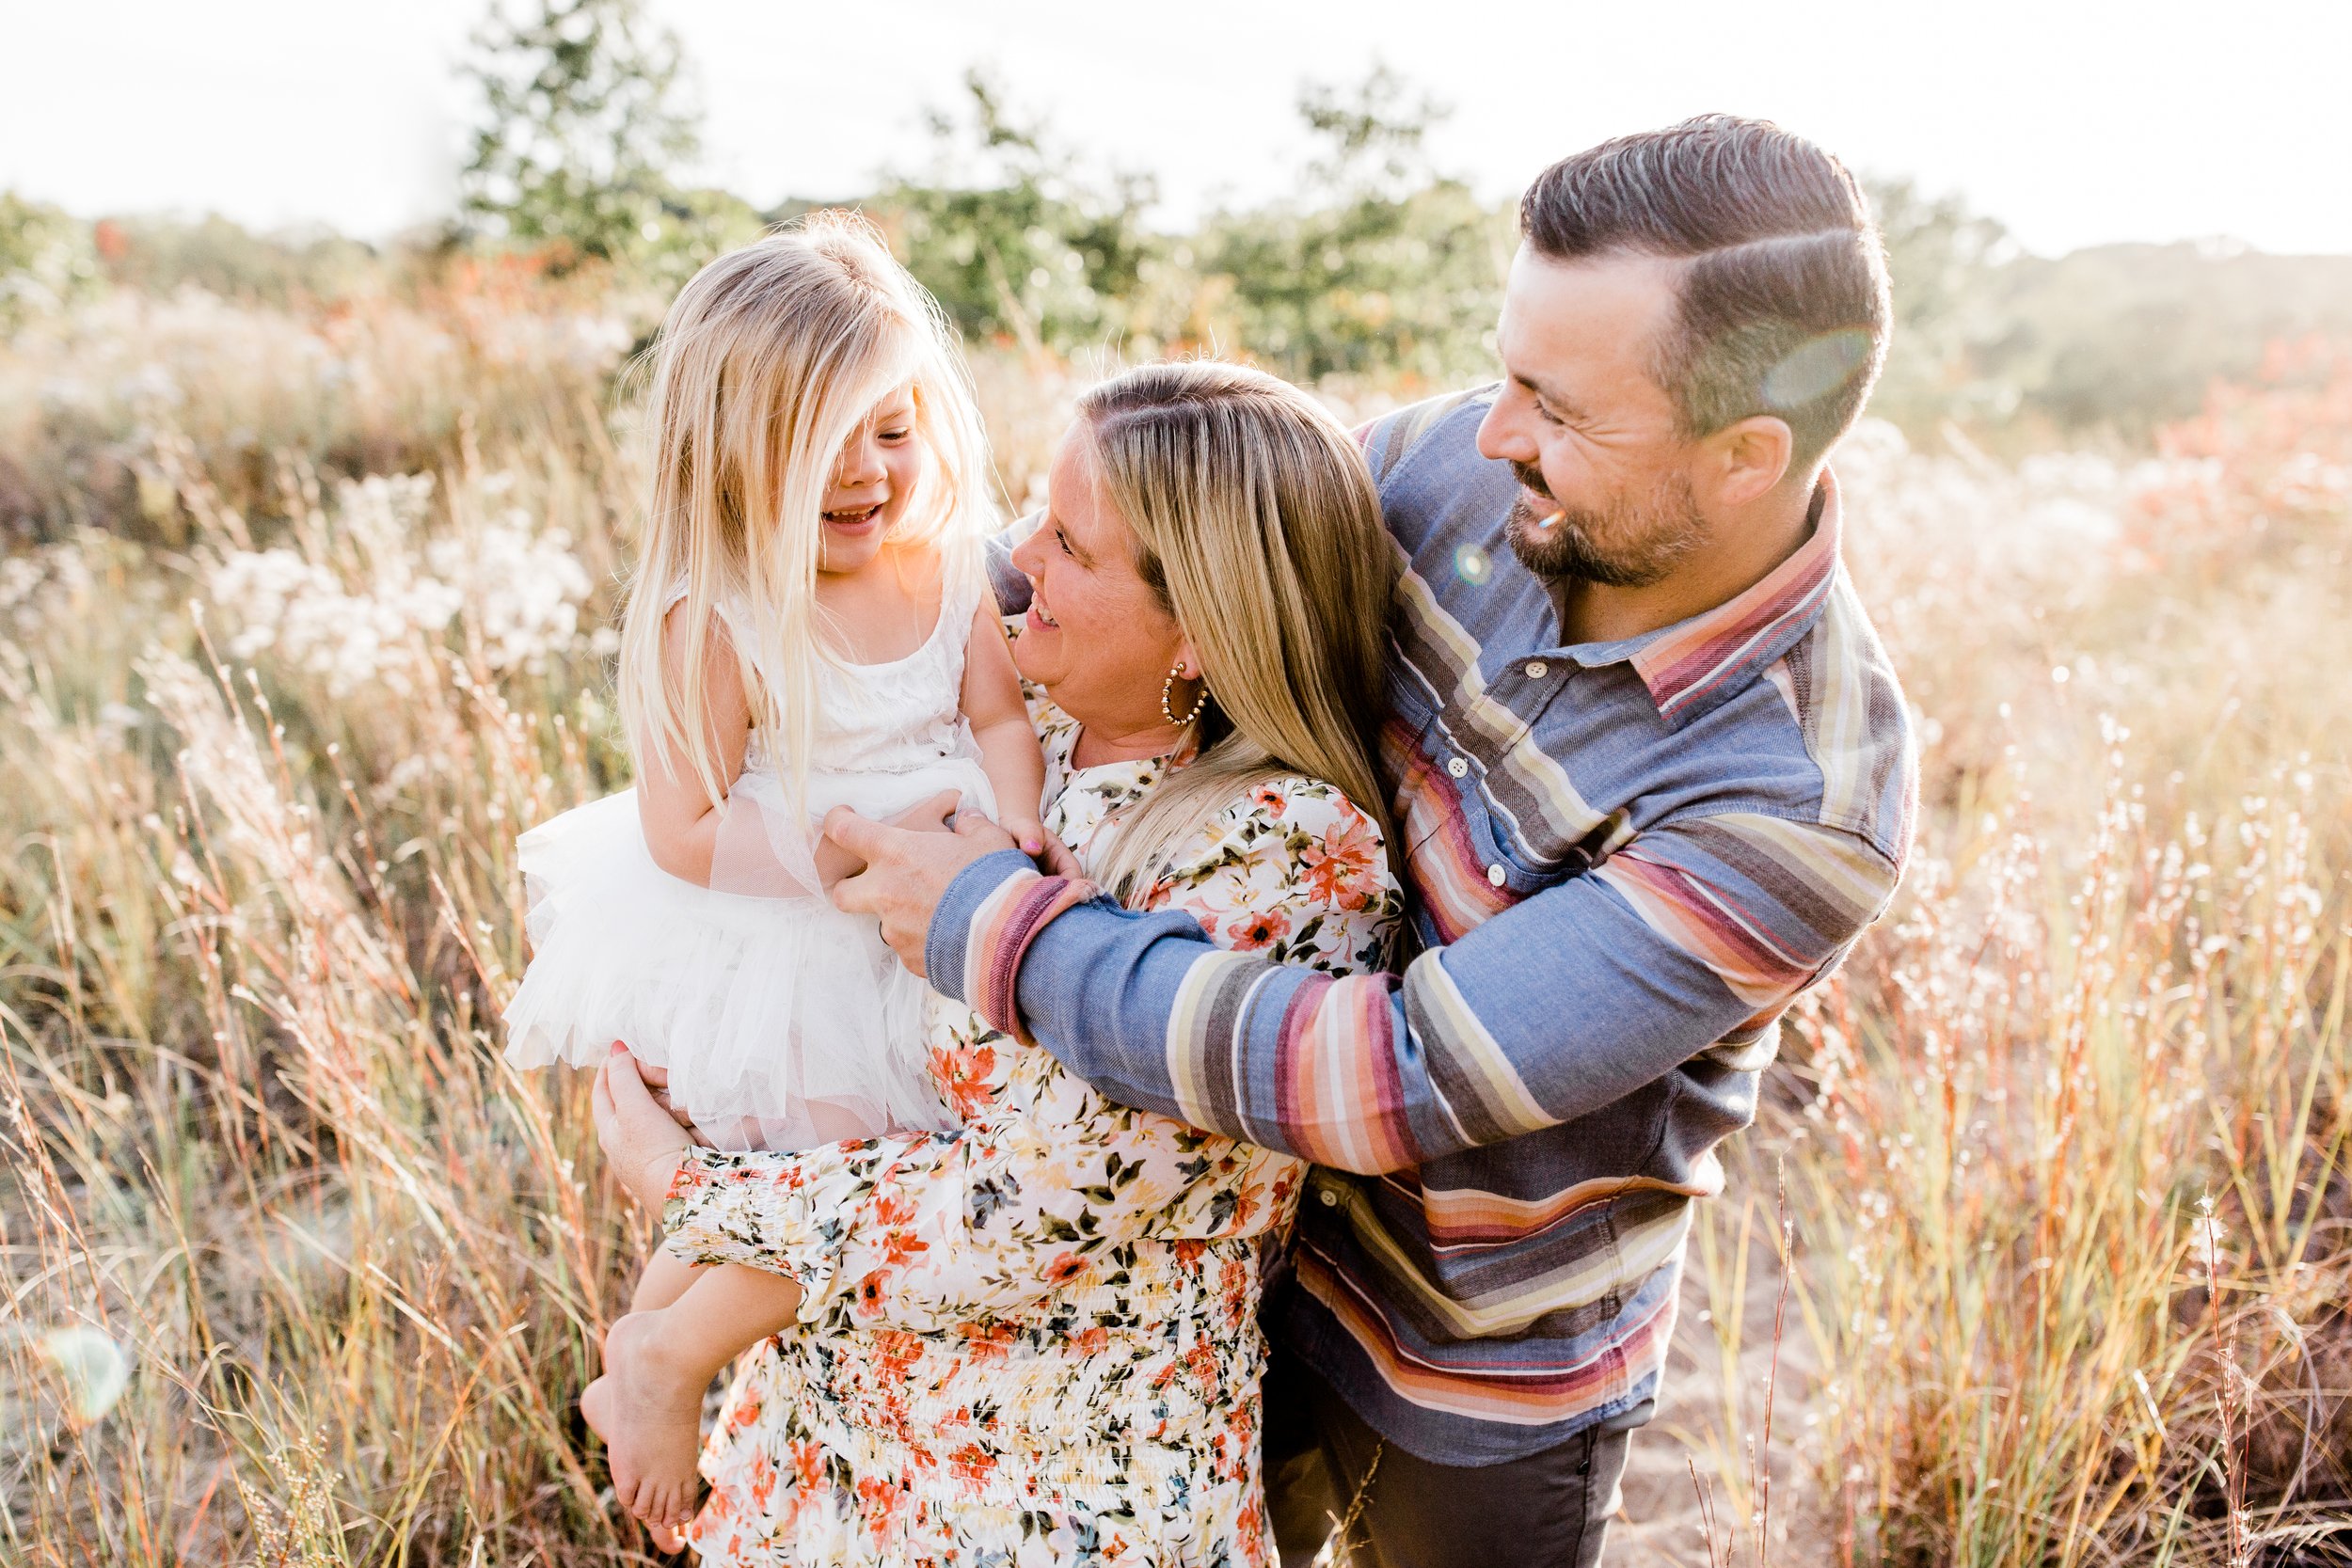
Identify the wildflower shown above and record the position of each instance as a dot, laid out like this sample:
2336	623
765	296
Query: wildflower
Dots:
518	589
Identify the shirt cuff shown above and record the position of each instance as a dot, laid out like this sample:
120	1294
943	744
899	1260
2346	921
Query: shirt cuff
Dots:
984	925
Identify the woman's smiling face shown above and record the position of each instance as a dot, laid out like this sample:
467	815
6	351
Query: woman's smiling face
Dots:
1096	637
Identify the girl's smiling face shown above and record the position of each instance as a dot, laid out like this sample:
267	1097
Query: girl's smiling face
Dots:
873	485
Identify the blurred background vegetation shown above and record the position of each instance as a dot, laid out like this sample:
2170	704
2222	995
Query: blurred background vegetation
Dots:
310	551
1380	273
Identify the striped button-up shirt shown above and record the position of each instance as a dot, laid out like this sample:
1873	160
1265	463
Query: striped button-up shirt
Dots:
1625	860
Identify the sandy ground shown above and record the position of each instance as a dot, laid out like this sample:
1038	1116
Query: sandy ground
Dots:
1663	1521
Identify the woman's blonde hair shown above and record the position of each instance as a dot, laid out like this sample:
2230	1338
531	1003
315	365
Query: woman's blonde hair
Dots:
1259	529
768	362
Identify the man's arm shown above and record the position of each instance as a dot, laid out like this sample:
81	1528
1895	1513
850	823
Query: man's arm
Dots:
1690	939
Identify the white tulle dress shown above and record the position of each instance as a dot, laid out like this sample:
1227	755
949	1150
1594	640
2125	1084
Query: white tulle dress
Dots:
783	1021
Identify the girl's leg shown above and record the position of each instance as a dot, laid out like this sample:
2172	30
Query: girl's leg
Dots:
664	1281
648	1406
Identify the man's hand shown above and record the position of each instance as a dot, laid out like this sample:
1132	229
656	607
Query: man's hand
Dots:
907	869
640	1142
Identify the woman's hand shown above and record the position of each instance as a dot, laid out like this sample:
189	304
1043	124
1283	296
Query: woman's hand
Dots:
640	1142
656	1082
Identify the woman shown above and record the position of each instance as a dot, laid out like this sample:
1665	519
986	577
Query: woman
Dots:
1034	1339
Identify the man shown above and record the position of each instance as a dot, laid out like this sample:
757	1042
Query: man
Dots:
1652	777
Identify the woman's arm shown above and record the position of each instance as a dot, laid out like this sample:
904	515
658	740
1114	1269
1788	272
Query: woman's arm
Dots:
1048	1180
993	705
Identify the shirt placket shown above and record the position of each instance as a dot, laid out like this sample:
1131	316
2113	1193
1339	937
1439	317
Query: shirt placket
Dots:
1526	688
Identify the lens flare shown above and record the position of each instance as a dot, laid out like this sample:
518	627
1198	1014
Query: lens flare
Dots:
93	1368
1816	367
1472	564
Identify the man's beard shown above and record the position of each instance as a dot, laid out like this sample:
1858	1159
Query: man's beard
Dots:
1633	543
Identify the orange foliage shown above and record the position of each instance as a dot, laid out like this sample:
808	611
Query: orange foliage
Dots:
2271	457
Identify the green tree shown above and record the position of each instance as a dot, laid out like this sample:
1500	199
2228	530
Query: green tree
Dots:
1012	235
47	259
1941	258
1383	265
583	137
1380	265
1376	133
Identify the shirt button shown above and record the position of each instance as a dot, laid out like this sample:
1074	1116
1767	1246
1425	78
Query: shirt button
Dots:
1495	875
1457	767
1537	669
1330	1199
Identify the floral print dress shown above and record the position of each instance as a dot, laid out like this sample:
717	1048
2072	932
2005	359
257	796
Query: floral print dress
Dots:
1033	1340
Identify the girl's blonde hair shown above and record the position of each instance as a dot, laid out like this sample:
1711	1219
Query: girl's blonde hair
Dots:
770	360
1259	529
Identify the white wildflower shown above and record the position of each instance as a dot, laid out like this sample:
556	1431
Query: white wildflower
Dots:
519	589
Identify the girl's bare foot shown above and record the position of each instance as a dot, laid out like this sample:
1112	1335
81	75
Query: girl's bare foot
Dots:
649	1411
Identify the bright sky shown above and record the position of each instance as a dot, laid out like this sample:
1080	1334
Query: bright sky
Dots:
2073	122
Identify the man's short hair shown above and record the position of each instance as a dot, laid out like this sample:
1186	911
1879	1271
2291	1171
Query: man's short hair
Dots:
1783	305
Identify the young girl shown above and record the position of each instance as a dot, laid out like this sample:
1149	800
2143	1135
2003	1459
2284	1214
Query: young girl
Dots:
809	627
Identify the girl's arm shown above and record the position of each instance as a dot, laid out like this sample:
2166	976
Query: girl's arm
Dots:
999	718
680	819
726	844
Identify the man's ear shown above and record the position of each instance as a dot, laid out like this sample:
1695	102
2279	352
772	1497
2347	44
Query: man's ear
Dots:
1750	458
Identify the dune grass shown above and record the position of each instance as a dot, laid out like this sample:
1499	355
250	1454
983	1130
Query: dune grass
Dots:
316	619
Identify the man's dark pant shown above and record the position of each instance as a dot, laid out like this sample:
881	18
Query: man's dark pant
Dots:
1549	1510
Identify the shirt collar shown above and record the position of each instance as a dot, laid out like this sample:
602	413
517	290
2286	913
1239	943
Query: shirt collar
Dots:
1694	666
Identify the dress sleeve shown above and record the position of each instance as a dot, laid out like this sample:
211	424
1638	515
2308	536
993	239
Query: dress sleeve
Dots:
1049	1181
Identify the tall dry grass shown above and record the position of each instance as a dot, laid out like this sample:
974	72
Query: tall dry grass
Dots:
298	1273
2066	1144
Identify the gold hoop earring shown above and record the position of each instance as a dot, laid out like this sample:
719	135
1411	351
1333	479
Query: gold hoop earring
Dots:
1168	687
